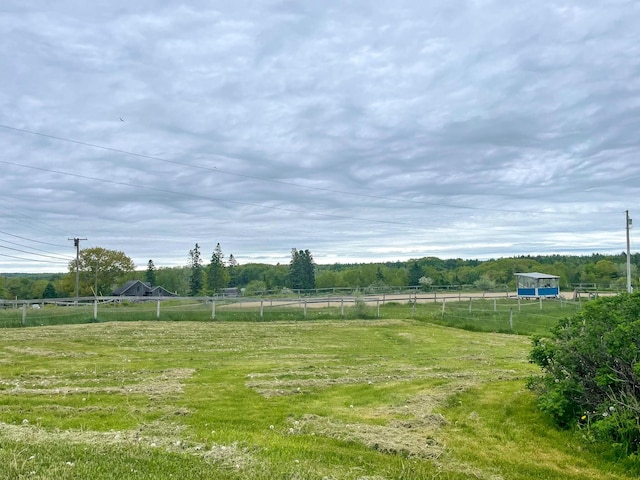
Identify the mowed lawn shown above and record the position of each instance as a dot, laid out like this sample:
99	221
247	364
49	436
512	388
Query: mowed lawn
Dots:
352	399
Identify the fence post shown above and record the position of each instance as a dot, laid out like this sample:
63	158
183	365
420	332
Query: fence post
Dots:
95	310
342	307
24	315
540	302
511	318
494	304
378	306
261	309
383	298
305	308
213	309
413	310
470	301
444	300
518	304
435	296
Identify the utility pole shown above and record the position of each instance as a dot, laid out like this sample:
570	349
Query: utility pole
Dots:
95	290
629	287
76	243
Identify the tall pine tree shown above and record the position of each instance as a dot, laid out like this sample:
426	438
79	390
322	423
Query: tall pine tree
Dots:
150	274
196	282
217	275
232	265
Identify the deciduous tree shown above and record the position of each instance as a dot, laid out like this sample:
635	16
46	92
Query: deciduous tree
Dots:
101	270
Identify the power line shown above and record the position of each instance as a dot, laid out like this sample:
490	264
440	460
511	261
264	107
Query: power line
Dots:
32	259
61	257
31	253
203	197
35	241
223	200
280	182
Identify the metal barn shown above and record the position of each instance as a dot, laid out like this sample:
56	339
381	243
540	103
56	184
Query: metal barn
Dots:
536	285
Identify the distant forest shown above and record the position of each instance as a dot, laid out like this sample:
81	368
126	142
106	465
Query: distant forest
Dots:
429	273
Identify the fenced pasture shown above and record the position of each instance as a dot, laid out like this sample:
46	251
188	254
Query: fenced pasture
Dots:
472	311
360	399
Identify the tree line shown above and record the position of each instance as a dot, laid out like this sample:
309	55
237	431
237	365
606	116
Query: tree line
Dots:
102	270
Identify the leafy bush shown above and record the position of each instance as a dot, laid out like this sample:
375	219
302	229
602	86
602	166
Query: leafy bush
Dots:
255	287
485	284
591	374
360	310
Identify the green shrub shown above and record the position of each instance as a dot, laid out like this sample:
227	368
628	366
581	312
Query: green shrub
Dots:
360	310
591	372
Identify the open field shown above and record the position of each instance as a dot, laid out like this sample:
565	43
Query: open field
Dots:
337	399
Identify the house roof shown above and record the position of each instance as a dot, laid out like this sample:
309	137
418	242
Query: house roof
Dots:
130	284
536	275
162	290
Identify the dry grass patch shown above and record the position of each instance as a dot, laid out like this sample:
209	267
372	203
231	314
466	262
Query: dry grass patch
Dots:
410	430
161	434
409	440
154	384
42	352
280	382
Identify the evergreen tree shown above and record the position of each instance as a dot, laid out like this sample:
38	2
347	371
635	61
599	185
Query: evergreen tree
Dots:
196	282
232	265
217	275
301	270
309	270
150	274
49	291
415	273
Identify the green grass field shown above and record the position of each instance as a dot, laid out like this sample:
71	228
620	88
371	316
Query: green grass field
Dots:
316	399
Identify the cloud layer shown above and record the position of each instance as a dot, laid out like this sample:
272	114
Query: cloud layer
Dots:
361	131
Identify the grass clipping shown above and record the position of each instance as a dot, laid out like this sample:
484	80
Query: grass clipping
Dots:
157	435
412	436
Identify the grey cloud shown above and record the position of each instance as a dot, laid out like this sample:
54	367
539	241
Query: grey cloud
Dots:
505	126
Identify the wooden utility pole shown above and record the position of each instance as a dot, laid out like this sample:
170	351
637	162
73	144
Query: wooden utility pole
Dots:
629	288
76	243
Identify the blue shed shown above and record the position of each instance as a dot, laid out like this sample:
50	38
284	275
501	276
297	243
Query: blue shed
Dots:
535	285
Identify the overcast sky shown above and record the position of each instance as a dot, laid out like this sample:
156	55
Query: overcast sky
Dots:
362	131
